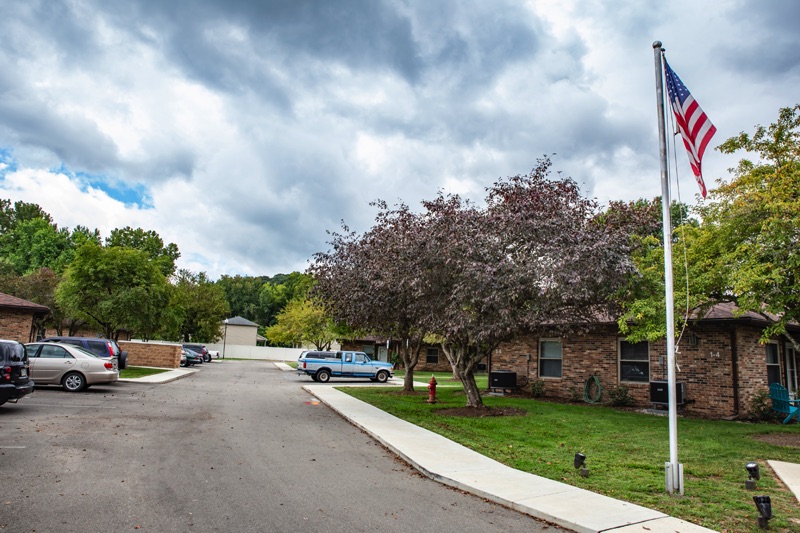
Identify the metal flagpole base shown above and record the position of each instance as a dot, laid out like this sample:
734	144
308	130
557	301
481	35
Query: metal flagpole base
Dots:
670	479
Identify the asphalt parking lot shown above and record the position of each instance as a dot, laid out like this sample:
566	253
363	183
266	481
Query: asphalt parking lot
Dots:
236	446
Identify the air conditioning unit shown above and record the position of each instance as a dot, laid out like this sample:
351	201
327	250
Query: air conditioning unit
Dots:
502	379
659	392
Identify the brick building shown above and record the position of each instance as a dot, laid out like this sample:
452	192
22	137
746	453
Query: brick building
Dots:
722	363
18	318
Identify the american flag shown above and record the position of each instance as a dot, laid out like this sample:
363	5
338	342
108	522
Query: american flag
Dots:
693	124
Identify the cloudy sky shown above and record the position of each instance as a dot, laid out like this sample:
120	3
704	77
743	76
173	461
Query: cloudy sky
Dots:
242	130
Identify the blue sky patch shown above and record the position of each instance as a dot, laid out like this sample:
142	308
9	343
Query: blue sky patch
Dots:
132	196
8	163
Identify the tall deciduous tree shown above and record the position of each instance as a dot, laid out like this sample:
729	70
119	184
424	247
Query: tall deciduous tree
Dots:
374	283
199	307
534	257
114	288
302	320
751	226
164	256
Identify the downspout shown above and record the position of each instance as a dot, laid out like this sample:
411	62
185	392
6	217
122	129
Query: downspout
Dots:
735	370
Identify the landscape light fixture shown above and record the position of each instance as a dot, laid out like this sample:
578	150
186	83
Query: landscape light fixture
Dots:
580	462
764	506
755	475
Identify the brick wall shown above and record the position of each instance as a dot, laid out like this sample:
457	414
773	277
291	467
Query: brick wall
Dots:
158	354
708	369
16	325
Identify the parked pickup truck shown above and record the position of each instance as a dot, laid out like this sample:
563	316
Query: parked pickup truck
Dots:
322	365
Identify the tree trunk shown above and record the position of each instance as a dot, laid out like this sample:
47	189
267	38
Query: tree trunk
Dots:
410	354
408	381
463	367
471	389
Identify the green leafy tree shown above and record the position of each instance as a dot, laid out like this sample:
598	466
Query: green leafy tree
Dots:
13	214
754	220
741	248
300	321
243	295
34	244
115	288
199	307
149	242
276	293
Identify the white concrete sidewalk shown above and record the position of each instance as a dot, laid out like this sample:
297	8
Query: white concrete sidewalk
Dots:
457	466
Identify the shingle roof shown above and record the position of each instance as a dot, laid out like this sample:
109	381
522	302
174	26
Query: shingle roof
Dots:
239	321
12	302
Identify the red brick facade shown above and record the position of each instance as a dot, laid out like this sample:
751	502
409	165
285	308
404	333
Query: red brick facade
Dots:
16	325
722	366
17	318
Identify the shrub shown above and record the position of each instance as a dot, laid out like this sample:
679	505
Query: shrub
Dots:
575	394
620	396
537	388
761	407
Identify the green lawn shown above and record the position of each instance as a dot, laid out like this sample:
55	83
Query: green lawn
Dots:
133	372
444	379
625	451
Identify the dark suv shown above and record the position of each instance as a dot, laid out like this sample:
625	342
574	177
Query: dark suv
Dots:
201	350
14	372
100	347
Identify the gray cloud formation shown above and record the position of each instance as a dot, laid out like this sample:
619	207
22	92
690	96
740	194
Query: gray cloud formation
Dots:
257	126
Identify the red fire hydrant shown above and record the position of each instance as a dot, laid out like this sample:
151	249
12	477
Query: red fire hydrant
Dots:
432	390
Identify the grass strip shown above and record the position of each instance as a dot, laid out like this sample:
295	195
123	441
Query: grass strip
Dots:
133	372
626	451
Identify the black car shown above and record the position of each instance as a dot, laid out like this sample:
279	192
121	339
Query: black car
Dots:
200	349
14	372
100	347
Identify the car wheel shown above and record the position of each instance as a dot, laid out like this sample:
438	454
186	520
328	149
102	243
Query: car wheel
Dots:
323	376
382	377
207	358
3	401
73	382
123	362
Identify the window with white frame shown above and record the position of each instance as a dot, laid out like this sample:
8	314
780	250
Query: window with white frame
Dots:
550	358
432	356
791	370
634	361
773	363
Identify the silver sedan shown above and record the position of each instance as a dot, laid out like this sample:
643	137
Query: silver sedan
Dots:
73	368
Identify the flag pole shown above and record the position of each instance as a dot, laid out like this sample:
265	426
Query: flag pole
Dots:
673	471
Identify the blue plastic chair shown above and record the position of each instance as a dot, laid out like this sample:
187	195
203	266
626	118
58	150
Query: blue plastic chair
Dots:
782	403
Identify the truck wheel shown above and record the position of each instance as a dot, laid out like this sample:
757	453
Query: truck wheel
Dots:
323	376
382	377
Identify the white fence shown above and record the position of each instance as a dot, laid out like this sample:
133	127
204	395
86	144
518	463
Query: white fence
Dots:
264	353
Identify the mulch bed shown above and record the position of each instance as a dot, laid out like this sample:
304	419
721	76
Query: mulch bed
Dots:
481	412
780	439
